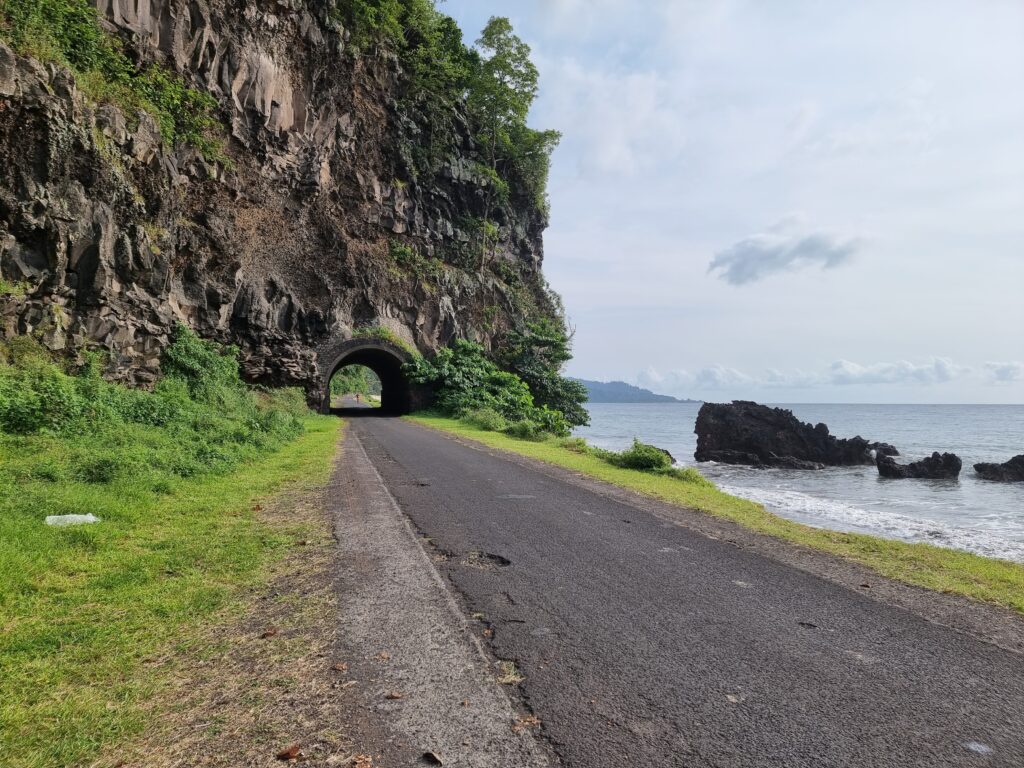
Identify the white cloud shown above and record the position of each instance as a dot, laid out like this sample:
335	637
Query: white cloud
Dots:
939	371
842	373
618	122
1005	373
721	377
781	249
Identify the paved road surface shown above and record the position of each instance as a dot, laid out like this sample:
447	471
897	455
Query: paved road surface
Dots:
646	644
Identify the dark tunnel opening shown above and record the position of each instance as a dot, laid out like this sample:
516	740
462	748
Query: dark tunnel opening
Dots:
395	394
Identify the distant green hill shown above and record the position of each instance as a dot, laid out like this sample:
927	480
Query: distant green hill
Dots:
621	392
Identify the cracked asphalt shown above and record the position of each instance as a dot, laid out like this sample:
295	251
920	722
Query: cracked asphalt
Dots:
647	643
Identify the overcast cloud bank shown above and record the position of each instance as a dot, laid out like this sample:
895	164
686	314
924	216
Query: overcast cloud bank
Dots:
842	373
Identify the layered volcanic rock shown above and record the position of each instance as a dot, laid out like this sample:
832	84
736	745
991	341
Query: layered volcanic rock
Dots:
744	432
1011	471
113	236
944	466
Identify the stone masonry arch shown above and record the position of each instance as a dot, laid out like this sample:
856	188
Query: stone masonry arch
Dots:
398	395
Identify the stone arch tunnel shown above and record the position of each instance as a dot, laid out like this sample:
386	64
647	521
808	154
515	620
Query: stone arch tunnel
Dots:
398	395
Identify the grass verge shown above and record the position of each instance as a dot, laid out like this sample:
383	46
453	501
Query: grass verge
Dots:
90	615
943	570
269	675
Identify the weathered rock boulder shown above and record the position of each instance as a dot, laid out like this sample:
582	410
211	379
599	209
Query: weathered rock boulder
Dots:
744	432
1011	471
944	466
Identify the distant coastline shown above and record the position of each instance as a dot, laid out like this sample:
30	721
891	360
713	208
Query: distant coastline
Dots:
621	392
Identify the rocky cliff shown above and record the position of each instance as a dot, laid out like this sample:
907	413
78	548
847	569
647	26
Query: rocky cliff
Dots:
109	236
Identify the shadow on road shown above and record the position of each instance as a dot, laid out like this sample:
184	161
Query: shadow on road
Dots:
363	412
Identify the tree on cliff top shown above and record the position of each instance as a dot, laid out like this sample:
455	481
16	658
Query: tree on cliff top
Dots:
502	91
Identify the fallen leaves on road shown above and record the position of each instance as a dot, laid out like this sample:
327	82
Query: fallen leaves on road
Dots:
362	761
340	667
508	673
394	695
294	752
530	721
268	632
383	656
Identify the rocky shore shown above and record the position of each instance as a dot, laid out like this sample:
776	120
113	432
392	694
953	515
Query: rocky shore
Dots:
744	432
1011	471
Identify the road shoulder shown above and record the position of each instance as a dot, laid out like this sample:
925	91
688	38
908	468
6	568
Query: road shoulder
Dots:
417	663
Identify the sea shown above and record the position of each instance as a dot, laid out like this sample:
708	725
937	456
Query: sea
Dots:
970	514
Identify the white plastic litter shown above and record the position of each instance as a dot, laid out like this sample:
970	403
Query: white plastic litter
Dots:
62	520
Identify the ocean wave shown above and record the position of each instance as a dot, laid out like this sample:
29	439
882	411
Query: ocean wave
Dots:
837	515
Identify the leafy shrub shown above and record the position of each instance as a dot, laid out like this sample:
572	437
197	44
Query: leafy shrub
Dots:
291	400
526	430
639	456
537	355
465	380
106	467
37	396
199	418
575	444
205	367
415	263
487	419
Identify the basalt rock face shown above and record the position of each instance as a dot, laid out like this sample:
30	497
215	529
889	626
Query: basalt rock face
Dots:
112	237
748	433
1011	471
944	466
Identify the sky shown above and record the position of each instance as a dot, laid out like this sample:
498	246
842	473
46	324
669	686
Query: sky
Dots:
791	201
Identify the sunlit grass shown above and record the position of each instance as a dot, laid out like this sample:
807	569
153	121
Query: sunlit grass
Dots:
944	570
86	611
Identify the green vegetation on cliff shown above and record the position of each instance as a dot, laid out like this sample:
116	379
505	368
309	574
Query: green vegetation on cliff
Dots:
172	475
495	82
68	32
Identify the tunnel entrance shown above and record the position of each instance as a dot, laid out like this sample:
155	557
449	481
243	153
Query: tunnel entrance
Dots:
355	386
385	361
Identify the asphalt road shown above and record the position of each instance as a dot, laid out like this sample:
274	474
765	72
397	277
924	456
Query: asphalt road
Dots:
644	643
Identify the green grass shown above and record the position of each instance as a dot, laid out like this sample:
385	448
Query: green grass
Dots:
944	570
86	612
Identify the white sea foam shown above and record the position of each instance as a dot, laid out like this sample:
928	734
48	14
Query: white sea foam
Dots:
827	513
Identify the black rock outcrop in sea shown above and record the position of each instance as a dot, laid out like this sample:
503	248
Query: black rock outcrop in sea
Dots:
1011	471
944	466
744	432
